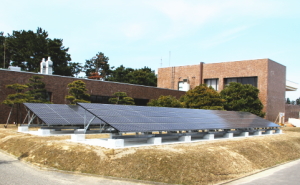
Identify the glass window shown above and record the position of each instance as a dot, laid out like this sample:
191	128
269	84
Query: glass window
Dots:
104	99
242	80
99	99
214	83
49	96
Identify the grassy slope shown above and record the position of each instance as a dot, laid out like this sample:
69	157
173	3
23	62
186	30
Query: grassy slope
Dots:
194	163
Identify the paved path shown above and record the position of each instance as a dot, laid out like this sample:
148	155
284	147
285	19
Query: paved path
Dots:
14	172
286	174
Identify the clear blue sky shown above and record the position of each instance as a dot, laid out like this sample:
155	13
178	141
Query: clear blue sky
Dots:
138	33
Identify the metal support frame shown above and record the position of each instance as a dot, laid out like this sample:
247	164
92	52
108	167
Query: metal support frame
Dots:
84	118
27	116
5	126
87	126
31	119
101	129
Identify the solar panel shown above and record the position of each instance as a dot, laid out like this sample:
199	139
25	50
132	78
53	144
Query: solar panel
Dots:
62	115
128	118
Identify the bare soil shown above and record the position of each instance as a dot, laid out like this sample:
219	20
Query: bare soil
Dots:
207	162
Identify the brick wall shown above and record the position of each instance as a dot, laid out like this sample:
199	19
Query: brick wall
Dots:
170	76
275	90
291	111
58	86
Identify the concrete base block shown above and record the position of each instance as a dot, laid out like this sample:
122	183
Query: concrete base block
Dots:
294	121
113	143
278	131
78	137
111	135
268	132
23	129
44	132
257	133
209	136
245	134
79	131
228	135
154	140
185	138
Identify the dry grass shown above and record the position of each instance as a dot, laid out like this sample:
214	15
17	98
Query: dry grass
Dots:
194	163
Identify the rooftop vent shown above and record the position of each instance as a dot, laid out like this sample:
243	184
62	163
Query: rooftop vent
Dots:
46	66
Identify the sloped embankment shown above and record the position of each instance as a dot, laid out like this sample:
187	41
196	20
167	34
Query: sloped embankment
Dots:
194	163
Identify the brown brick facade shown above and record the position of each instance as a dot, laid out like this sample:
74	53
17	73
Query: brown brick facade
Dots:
58	86
292	111
276	89
270	79
169	77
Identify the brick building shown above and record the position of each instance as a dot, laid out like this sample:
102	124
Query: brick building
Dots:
265	74
100	91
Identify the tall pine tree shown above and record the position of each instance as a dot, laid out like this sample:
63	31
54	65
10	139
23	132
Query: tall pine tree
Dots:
203	97
27	48
242	97
37	90
77	92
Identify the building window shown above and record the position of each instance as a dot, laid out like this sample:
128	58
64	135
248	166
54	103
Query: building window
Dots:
242	80
141	102
214	83
99	99
49	96
104	99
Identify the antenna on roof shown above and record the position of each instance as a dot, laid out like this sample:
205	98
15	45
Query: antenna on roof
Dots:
161	62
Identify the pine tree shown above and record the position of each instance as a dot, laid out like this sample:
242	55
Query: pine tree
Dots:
97	67
37	90
16	99
143	76
122	99
27	48
298	101
242	97
77	91
203	97
165	101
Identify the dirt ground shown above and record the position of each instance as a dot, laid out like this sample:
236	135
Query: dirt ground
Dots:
206	162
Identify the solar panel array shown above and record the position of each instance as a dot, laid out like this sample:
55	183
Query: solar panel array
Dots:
62	115
128	118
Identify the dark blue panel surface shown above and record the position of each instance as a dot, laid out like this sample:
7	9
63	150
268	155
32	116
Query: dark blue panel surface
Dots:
128	118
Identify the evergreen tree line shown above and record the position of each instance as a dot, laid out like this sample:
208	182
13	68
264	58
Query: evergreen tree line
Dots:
78	94
293	102
234	97
27	48
99	68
